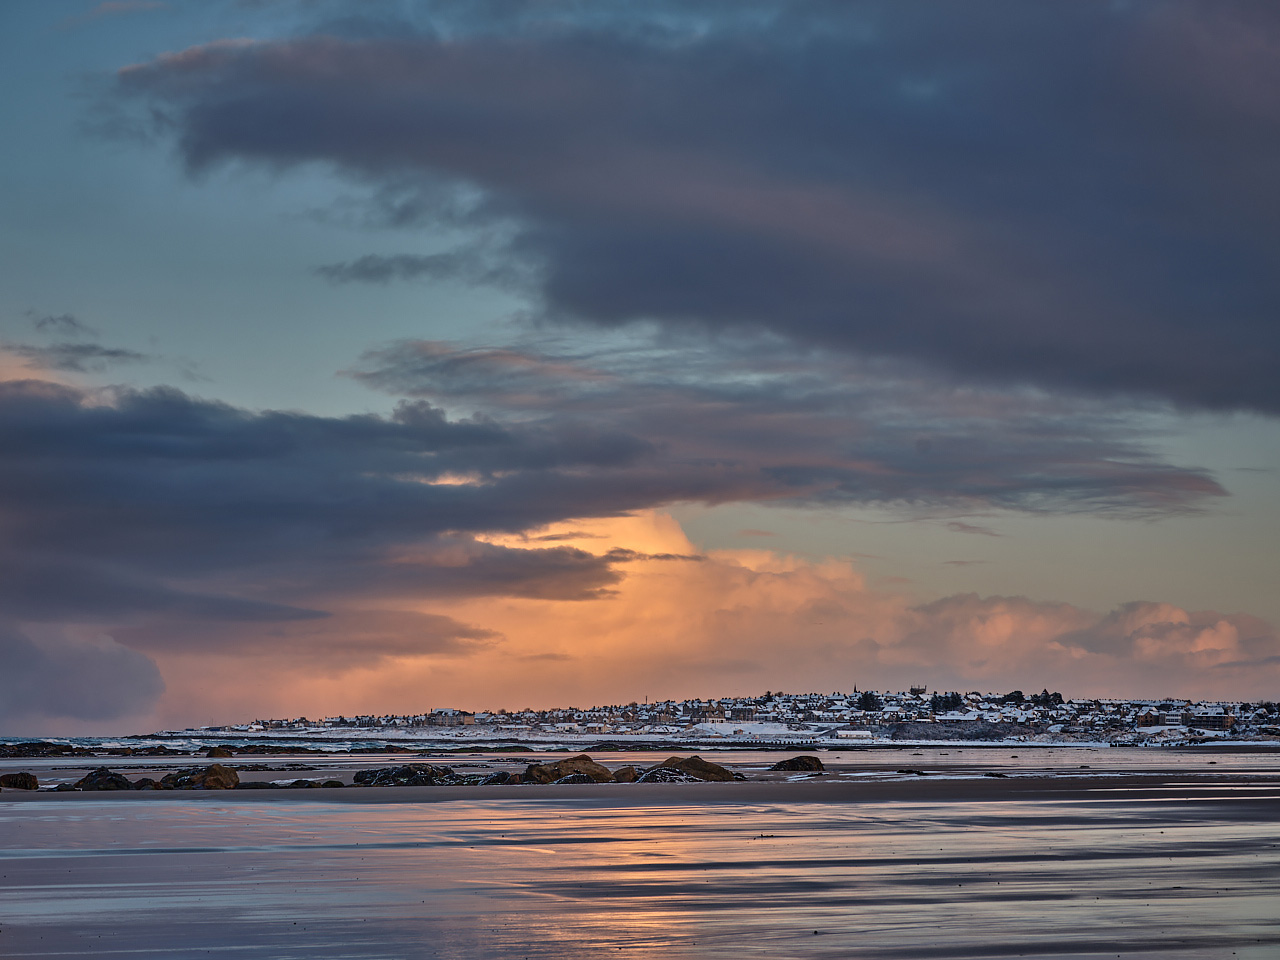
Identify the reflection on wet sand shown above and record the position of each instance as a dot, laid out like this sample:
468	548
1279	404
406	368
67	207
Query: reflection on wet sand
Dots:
572	878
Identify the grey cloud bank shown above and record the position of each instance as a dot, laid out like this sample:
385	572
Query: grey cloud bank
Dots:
779	424
1072	195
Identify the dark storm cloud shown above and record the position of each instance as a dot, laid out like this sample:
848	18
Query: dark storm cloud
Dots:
1075	195
174	486
62	589
58	676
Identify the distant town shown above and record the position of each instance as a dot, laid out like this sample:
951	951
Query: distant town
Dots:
915	714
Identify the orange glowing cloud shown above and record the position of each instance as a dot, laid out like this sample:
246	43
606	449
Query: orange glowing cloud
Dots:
681	623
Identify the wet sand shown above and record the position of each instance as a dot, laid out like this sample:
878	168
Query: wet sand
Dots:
1177	786
1153	865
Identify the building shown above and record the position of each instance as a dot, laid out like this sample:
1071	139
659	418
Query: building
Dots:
450	718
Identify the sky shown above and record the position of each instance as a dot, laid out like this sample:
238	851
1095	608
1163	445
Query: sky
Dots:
372	356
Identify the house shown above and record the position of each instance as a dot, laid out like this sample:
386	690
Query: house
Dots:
450	718
707	713
1149	717
1209	718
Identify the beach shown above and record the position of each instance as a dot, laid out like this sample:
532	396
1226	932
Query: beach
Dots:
1156	862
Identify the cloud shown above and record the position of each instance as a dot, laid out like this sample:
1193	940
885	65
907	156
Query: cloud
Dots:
474	266
162	484
191	528
62	325
958	526
64	589
747	620
73	357
1075	196
355	637
758	420
113	8
64	676
369	556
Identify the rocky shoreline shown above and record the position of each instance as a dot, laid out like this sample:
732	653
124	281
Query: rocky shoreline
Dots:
570	770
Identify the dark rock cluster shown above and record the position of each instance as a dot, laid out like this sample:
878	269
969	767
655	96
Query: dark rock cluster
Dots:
665	775
805	764
571	770
410	775
273	749
581	765
103	779
213	777
579	769
152	751
42	748
699	769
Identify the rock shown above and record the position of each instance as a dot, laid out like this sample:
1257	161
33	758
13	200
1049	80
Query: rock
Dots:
665	775
213	777
19	781
42	748
698	768
219	752
494	779
575	778
996	773
626	774
216	777
799	764
146	783
255	785
408	775
302	785
552	772
333	784
103	779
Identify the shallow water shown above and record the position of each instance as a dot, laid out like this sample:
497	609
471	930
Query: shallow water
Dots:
1176	877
